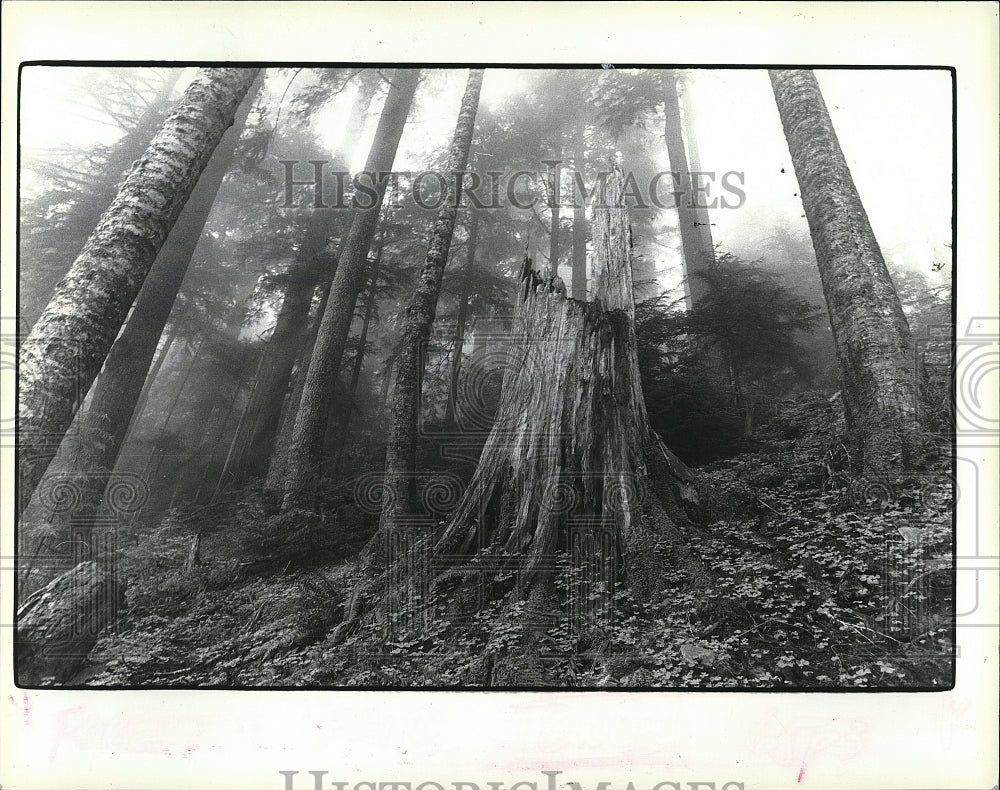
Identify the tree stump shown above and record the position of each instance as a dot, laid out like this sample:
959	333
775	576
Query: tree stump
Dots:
571	472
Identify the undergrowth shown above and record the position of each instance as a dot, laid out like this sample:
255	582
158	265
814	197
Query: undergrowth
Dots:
817	581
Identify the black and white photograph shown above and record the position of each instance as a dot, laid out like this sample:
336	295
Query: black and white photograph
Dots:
467	375
485	378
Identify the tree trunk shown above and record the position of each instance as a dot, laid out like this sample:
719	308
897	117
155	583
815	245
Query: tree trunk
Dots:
368	82
870	331
555	250
579	279
463	306
359	358
697	257
571	465
140	406
255	438
278	463
156	454
89	452
702	219
401	450
310	423
62	356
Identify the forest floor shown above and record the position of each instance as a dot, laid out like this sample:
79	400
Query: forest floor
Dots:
817	582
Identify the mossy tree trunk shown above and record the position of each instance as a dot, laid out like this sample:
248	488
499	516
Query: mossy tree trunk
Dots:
870	331
90	449
69	343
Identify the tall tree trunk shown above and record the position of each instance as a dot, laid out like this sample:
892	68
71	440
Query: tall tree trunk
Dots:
62	356
463	306
579	279
359	358
278	463
90	451
401	450
702	218
147	386
311	419
368	82
555	250
697	257
570	465
870	331
156	453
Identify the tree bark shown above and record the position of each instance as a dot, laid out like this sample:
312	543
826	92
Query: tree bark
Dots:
462	317
555	250
401	450
359	358
89	452
278	464
578	288
697	257
62	356
571	465
702	219
311	419
870	330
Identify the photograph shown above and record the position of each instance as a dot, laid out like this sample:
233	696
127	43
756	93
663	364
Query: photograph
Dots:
499	396
485	378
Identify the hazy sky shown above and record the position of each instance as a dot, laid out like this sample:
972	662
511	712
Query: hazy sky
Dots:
895	128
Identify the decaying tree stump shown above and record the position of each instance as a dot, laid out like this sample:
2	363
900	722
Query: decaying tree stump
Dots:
58	625
571	467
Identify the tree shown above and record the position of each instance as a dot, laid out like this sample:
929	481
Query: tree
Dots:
570	464
311	418
578	284
696	238
870	330
747	322
258	428
70	342
472	241
400	462
57	222
702	220
91	449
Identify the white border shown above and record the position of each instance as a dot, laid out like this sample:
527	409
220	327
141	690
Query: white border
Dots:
240	740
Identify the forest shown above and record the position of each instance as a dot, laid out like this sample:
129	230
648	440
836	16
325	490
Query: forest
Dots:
479	378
